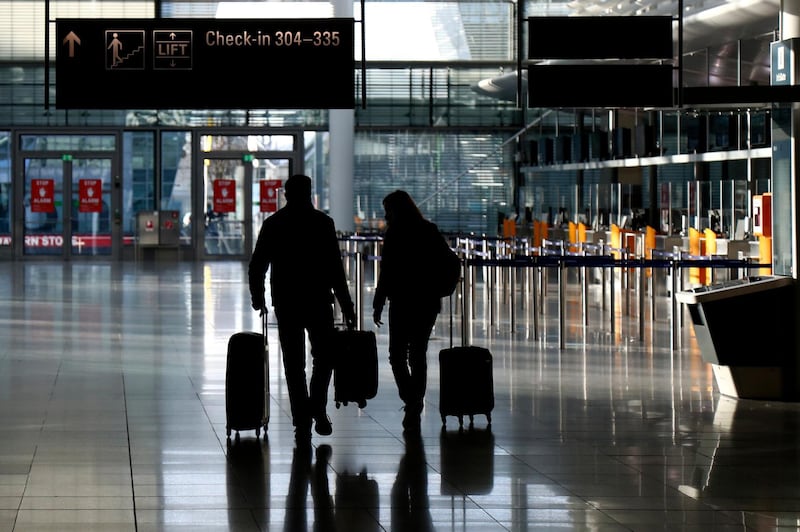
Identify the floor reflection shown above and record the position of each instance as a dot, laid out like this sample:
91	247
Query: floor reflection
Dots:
410	502
467	461
113	419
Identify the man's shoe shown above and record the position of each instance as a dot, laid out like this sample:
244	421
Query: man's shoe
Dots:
322	424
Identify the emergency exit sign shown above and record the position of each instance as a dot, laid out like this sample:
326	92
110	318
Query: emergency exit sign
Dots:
205	63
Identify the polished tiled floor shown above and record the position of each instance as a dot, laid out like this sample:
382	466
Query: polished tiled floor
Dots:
112	418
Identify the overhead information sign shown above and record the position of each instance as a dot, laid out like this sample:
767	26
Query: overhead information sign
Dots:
600	37
205	63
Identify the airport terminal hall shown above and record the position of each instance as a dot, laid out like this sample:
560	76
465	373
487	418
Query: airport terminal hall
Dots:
452	265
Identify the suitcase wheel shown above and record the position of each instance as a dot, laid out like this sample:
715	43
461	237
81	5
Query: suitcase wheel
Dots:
460	421
362	404
258	432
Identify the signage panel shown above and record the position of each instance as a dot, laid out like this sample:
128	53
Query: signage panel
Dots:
42	195
224	195
147	224
600	86
600	37
783	61
90	192
169	232
269	194
205	63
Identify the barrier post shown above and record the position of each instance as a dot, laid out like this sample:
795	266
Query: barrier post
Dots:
642	281
562	302
611	298
377	246
585	290
674	301
602	279
535	303
359	303
649	246
625	287
473	288
512	281
492	292
466	312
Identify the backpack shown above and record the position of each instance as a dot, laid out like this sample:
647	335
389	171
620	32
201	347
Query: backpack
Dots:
447	272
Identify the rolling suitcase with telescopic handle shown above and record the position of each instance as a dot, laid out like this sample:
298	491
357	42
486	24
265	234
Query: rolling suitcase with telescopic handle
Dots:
466	380
247	381
355	374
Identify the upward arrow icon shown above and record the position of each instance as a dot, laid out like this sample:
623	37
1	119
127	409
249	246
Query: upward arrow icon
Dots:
72	40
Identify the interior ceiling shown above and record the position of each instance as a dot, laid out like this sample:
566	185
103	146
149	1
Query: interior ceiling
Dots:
724	42
706	23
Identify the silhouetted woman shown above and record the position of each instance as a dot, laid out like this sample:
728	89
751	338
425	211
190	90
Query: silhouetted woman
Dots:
409	244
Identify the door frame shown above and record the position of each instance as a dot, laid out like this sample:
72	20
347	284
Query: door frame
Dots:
296	165
196	250
68	156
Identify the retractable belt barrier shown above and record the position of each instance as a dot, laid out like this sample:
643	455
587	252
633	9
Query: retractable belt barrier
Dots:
584	262
501	259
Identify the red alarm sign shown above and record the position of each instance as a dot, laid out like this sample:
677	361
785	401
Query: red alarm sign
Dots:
269	194
90	193
224	195
42	195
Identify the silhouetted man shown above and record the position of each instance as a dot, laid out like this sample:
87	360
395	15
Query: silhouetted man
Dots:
298	244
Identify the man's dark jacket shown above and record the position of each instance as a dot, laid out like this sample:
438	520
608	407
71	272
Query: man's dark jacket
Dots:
299	245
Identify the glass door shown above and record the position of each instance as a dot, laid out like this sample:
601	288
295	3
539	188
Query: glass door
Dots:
44	224
67	206
239	195
225	188
269	176
240	183
90	214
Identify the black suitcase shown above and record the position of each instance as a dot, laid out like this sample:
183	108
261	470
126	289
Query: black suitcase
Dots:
466	380
466	383
355	373
246	382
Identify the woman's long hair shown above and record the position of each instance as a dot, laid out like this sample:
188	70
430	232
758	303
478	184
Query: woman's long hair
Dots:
401	209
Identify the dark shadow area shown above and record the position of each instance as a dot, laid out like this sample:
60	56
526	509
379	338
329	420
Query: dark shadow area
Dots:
467	461
357	502
248	479
410	502
305	475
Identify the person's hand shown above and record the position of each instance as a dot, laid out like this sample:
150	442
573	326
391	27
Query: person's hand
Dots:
376	316
259	304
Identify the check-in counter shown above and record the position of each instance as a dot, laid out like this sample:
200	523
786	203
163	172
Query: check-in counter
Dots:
746	330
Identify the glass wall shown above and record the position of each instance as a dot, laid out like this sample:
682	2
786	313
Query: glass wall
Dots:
462	182
5	189
175	190
138	179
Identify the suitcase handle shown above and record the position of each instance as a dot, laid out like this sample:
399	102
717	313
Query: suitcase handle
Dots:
264	327
463	286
